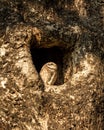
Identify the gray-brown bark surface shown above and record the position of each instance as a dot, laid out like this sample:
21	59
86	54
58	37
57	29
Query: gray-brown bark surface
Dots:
69	33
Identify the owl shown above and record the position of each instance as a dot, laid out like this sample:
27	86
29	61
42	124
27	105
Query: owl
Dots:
48	73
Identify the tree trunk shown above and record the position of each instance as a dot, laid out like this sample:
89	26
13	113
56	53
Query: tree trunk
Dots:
68	33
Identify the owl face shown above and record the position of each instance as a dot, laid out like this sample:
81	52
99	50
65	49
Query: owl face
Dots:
51	66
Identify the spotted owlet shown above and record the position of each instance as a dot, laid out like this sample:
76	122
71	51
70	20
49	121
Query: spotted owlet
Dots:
48	73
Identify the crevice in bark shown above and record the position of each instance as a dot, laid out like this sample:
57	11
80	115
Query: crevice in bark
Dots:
40	56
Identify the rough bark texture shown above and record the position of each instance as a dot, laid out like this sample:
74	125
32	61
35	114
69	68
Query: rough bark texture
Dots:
69	33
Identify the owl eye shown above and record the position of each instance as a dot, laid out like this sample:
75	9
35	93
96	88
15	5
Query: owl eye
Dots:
51	64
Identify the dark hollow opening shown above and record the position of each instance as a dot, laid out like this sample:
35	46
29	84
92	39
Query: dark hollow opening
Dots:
40	56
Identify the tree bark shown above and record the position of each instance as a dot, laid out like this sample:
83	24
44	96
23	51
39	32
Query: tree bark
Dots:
69	33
